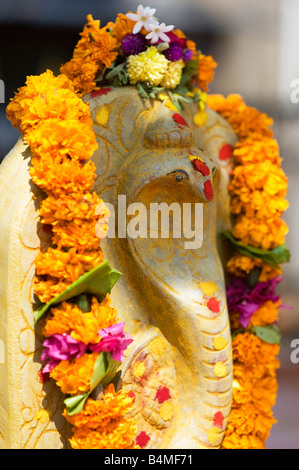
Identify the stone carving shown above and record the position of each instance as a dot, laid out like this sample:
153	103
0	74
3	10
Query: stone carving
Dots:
165	296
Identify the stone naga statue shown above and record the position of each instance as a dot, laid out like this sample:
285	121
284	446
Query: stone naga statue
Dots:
171	298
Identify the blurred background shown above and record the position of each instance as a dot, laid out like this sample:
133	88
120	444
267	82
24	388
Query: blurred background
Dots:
256	45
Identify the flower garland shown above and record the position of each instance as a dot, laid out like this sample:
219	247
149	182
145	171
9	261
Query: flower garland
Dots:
137	50
84	342
258	188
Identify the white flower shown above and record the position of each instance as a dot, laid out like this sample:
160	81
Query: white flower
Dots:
158	32
144	18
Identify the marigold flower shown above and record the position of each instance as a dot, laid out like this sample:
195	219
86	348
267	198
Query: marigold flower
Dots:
173	74
95	49
69	318
122	27
266	314
73	377
69	208
257	150
226	106
149	66
47	288
54	138
61	175
240	266
116	435
66	266
249	350
266	234
99	413
206	71
79	234
45	96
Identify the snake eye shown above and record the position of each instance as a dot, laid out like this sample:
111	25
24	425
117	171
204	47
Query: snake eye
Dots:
214	171
180	175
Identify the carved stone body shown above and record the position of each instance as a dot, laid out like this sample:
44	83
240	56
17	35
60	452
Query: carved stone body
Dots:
162	296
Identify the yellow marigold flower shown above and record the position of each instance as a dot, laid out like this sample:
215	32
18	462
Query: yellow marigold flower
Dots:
251	122
173	74
149	66
69	208
79	234
47	288
69	318
94	50
61	175
263	176
240	266
266	234
82	73
117	435
54	138
233	440
256	150
123	26
226	106
267	314
45	96
250	350
73	377
66	266
99	413
206	71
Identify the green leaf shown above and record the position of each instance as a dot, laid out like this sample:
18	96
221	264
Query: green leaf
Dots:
269	334
75	404
163	46
98	282
82	302
274	258
189	71
141	90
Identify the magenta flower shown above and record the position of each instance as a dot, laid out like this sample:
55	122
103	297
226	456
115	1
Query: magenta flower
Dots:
114	340
246	301
174	52
187	55
61	348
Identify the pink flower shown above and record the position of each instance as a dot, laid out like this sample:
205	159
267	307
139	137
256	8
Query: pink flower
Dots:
114	340
61	348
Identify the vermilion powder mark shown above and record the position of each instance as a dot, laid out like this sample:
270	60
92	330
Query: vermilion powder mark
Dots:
142	439
132	395
208	190
213	305
179	119
101	91
226	152
162	394
218	419
200	166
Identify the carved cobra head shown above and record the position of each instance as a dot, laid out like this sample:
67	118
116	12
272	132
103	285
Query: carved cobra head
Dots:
152	155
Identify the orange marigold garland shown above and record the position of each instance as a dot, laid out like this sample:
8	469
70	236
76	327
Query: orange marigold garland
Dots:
258	188
84	341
